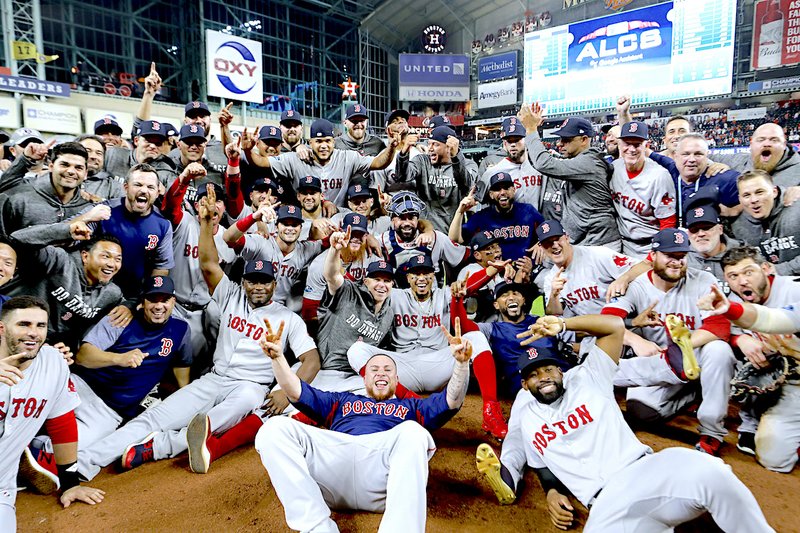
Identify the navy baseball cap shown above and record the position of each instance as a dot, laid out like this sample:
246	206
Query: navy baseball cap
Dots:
358	191
605	128
512	127
505	286
107	124
441	133
634	130
321	128
574	127
355	111
268	133
481	240
195	109
153	127
290	116
391	115
356	221
203	191
540	353
379	267
193	131
171	130
419	262
289	212
259	268
4	136
702	213
310	182
501	178
264	184
549	228
671	240
438	120
158	285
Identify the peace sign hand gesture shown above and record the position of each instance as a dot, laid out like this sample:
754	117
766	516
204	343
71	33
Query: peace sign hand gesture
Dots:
271	340
460	347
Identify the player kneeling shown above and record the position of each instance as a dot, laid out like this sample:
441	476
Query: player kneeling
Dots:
375	455
569	428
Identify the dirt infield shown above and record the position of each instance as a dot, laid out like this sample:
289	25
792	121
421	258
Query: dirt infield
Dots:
236	494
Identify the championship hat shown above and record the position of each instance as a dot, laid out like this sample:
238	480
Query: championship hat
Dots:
258	268
512	127
289	212
107	124
358	191
419	262
270	133
391	115
196	109
355	111
321	128
481	240
193	131
438	120
158	285
25	135
310	182
356	222
503	179
441	133
702	213
153	127
574	127
379	267
671	240
291	117
549	228
539	353
634	130
203	191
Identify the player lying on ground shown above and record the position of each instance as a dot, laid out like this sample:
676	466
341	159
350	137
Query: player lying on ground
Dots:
569	428
374	457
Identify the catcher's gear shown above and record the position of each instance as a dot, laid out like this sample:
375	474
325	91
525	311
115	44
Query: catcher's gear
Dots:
682	338
758	389
406	202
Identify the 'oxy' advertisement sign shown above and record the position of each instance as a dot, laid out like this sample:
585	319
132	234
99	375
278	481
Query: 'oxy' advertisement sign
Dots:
234	68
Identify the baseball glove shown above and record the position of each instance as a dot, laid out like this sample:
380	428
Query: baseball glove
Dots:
758	389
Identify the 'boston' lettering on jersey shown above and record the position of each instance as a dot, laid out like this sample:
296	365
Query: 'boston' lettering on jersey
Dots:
27	407
573	421
360	407
241	325
637	206
510	232
413	321
582	294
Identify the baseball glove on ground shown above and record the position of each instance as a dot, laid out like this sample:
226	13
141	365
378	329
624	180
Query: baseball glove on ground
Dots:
758	389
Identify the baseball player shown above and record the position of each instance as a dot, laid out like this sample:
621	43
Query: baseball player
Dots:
35	391
587	214
643	192
356	137
773	441
672	289
579	281
151	146
289	256
109	131
396	122
709	242
361	201
511	221
99	183
241	376
567	426
191	149
380	440
420	353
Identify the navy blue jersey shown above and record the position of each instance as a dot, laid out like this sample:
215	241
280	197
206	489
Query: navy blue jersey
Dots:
122	388
355	414
146	245
516	229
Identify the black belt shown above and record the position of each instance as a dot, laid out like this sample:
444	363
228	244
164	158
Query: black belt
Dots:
193	307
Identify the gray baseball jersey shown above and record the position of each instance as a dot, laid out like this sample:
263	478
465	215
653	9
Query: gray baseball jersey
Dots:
335	176
354	271
442	249
417	325
287	267
375	226
591	271
641	201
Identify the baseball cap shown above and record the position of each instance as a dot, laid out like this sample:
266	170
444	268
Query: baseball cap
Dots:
354	111
501	178
438	120
289	212
259	268
356	222
512	128
481	240
702	213
290	116
171	130
549	228
321	128
4	136
504	286
358	191
23	135
263	184
634	130
379	267
405	202
419	262
575	126
671	240
195	109
390	116
441	133
539	353
107	124
270	133
203	191
310	182
605	128
153	127
192	131
158	285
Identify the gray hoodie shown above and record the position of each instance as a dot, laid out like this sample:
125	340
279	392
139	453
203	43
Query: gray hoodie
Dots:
120	160
778	235
103	185
371	145
786	174
713	264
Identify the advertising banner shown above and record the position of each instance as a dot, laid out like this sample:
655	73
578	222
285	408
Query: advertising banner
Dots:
54	118
776	34
752	113
22	84
434	77
234	67
777	84
497	66
497	94
9	113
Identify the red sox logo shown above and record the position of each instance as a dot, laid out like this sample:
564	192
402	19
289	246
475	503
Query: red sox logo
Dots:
357	108
679	238
156	126
699	212
356	219
106	120
291	210
289	114
420	259
273	130
196	105
545	228
357	188
166	347
633	127
192	129
666	199
382	264
620	260
511	128
158	281
152	242
259	265
533	353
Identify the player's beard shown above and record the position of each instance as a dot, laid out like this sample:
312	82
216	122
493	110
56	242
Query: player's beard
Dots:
769	165
380	396
407	232
757	294
16	346
549	397
661	272
348	255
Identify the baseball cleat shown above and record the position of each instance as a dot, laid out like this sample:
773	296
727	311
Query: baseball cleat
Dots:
493	420
138	453
489	465
197	434
709	445
682	337
37	469
747	443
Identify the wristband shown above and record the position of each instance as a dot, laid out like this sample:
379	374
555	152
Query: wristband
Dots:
245	223
68	476
234	163
563	325
734	312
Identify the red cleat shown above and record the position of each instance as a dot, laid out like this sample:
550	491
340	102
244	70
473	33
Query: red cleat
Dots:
37	468
493	421
709	445
138	453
